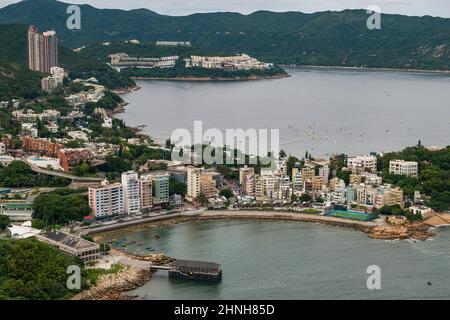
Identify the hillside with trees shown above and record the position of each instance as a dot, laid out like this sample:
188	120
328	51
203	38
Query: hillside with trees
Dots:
30	269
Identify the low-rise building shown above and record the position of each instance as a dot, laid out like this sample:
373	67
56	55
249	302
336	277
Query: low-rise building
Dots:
75	246
40	146
421	210
72	157
17	211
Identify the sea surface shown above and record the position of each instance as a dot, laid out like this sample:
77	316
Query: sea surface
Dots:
295	260
322	111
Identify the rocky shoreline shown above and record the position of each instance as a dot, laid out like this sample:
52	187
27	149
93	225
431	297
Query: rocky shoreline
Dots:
112	286
414	230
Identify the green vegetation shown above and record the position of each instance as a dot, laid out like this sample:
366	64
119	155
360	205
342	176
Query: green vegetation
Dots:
61	206
322	38
397	211
92	275
178	188
27	84
30	269
16	81
433	179
180	71
227	193
4	222
19	175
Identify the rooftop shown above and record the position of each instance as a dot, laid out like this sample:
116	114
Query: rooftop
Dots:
68	240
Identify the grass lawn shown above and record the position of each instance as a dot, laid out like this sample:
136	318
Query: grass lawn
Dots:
93	274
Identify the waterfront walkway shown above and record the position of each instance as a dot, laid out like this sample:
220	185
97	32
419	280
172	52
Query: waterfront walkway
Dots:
231	214
137	221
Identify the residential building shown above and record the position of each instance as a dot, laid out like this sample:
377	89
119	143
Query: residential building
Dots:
8	141
404	168
317	183
230	63
106	199
69	158
78	135
297	180
355	179
244	172
58	74
360	163
52	127
308	173
74	246
40	146
131	193
122	60
160	187
249	185
324	173
193	182
145	189
388	196
208	185
42	50
49	83
2	148
285	189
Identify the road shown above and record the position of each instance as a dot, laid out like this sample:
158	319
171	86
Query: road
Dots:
135	221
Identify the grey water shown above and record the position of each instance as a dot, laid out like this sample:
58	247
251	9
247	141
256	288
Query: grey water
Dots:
295	260
316	110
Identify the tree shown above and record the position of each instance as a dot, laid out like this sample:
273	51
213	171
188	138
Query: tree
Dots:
4	222
202	199
305	197
294	198
227	193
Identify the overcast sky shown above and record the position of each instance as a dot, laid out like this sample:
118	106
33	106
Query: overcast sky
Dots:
183	7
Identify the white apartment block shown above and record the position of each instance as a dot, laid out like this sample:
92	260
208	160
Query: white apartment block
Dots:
366	162
193	182
130	183
106	199
404	168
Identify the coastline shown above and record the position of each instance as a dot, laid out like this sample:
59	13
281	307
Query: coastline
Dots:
114	286
136	272
206	79
319	67
374	229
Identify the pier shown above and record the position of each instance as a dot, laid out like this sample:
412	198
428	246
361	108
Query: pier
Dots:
192	270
